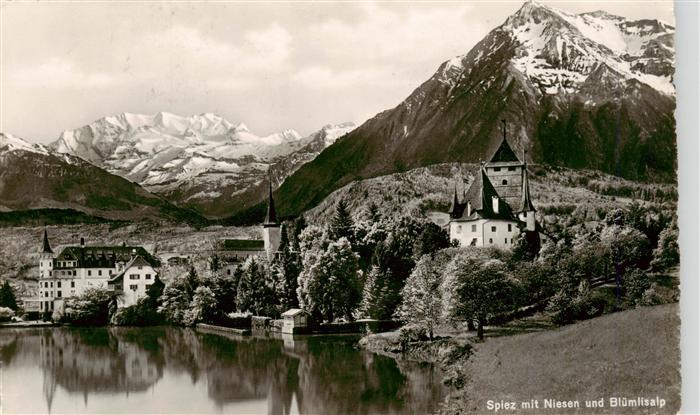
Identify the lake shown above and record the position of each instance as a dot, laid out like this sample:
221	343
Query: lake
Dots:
173	370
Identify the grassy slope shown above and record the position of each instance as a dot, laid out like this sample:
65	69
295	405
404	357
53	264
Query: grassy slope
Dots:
631	353
425	189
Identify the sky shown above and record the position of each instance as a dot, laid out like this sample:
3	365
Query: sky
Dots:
272	65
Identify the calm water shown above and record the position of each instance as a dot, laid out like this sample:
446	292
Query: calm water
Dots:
170	370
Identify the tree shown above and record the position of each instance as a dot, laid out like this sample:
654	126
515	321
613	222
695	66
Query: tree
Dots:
667	255
626	246
431	239
636	283
175	301
7	296
341	225
374	294
421	300
255	293
285	270
476	287
155	291
333	285
203	306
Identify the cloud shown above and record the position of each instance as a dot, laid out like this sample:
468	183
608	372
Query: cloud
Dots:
57	73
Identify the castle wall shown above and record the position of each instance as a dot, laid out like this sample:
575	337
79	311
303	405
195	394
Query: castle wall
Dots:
485	232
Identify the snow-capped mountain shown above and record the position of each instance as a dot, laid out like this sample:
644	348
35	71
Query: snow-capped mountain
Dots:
33	176
588	90
202	160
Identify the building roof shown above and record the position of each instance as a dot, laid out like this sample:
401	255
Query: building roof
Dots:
526	204
480	196
47	246
293	312
104	256
137	261
504	153
244	245
271	216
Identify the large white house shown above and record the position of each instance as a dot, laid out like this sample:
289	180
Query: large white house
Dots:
497	207
78	268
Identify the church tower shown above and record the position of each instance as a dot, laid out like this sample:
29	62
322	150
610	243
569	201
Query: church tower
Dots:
271	228
45	257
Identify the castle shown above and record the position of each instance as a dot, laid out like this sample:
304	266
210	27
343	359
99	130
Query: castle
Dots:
497	207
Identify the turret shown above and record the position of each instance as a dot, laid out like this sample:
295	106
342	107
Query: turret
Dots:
45	257
271	228
527	210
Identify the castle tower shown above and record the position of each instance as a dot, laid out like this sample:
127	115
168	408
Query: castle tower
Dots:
527	209
271	228
45	257
505	171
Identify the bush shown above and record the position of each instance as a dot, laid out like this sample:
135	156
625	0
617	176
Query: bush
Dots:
569	305
6	314
409	334
143	313
90	309
635	284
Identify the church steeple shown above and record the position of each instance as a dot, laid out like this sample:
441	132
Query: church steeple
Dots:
271	216
455	203
47	246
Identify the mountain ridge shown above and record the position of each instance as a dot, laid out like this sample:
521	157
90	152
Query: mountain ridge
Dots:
589	110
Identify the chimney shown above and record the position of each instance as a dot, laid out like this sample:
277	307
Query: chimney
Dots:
494	200
469	209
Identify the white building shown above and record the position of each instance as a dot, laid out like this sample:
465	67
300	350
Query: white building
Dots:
78	268
497	207
133	281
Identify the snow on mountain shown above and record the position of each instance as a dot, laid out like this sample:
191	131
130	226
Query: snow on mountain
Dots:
558	50
191	159
9	142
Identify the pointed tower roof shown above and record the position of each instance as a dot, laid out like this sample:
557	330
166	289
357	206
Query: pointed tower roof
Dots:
526	204
480	195
504	153
47	245
271	216
455	203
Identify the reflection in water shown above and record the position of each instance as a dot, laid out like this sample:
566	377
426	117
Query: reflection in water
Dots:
172	370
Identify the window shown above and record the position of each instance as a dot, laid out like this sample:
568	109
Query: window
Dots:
140	267
72	284
133	276
148	286
511	168
493	229
46	285
473	228
58	294
52	284
459	228
50	273
89	272
506	241
133	287
504	182
46	294
58	284
496	169
511	241
228	271
491	240
510	227
99	272
148	276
